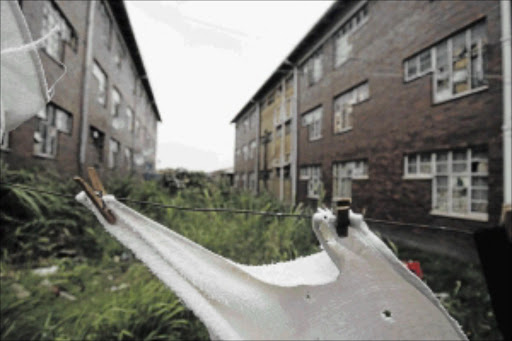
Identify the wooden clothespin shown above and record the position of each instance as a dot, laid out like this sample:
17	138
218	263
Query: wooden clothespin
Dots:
95	193
343	221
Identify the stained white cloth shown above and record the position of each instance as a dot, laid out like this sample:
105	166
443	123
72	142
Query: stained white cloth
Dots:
23	88
355	289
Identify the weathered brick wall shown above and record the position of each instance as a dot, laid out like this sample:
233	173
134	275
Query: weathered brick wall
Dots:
400	117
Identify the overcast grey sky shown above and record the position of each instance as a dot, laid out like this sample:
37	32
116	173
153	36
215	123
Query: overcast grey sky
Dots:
205	60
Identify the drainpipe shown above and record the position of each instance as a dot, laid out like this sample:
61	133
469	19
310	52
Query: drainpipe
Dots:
507	109
84	123
294	133
257	163
283	135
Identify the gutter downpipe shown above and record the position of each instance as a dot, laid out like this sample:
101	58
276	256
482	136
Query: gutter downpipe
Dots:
507	112
294	135
84	122
258	146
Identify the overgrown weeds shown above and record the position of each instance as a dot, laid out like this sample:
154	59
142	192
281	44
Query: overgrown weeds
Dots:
116	297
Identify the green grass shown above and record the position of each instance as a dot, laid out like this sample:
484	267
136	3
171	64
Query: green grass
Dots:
42	230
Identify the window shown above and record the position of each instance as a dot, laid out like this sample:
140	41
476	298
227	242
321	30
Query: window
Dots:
252	152
279	132
137	128
270	99
46	134
313	68
342	45
54	45
4	144
313	120
418	165
460	184
101	78
252	181
129	119
113	151
419	65
115	110
457	63
128	158
64	121
313	175
245	152
106	24
119	52
98	140
459	180
343	106
237	153
343	173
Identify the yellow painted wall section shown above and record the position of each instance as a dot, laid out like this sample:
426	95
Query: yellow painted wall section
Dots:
287	190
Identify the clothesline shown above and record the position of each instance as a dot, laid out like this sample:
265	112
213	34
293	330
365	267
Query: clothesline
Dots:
237	211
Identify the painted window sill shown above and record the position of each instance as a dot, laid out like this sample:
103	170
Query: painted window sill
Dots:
467	93
342	131
365	177
44	156
484	217
417	177
315	139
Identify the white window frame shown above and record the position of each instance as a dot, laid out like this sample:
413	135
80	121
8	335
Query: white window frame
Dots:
129	118
313	69
416	59
418	174
128	157
63	121
252	149
343	106
469	214
46	135
313	120
344	173
113	151
101	78
54	44
450	176
313	176
115	107
245	152
342	36
4	143
449	93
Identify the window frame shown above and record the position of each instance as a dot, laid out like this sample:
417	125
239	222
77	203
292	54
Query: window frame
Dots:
57	38
449	94
115	108
50	140
112	162
315	126
355	99
450	174
314	174
102	93
347	171
345	32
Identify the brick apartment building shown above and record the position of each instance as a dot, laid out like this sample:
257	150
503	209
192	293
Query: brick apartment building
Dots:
103	112
398	105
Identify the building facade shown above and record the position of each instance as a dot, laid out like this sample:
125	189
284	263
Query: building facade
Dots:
102	113
400	107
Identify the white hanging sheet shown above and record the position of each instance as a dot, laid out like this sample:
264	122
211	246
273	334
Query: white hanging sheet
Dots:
355	289
23	88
